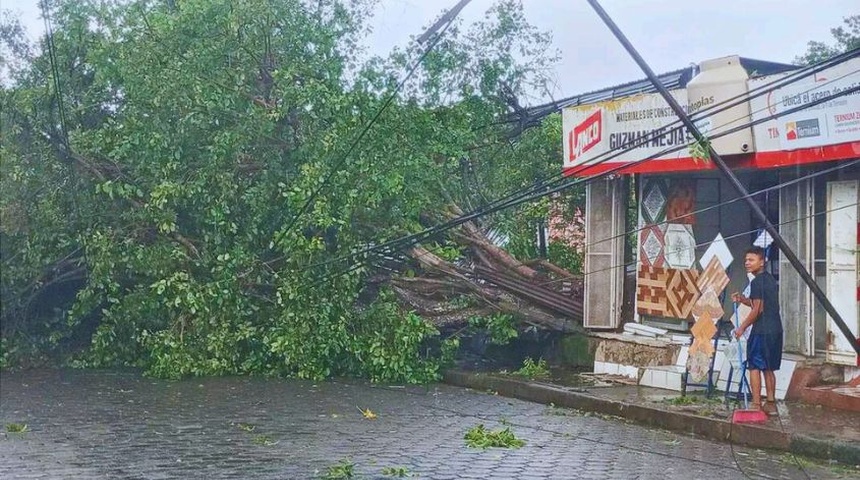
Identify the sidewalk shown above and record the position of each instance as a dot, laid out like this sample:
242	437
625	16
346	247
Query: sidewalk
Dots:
801	429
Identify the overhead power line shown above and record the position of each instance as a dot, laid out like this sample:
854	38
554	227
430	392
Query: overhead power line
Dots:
557	178
55	71
409	240
547	184
447	20
392	254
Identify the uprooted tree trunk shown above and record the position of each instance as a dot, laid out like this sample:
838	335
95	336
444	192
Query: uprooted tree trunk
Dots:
448	294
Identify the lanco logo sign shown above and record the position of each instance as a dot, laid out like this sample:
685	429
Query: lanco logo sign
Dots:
586	135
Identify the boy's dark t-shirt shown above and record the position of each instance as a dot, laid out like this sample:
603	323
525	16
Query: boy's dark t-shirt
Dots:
764	287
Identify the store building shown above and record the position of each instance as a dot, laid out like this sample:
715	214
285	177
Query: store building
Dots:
801	163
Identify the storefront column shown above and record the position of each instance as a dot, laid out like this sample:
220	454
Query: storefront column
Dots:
605	204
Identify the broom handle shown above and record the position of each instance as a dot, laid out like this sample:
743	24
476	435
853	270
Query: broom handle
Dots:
740	359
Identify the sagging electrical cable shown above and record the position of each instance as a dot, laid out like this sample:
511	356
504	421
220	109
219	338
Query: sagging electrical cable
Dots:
358	265
542	185
720	107
708	208
693	247
394	252
448	20
417	237
55	71
711	207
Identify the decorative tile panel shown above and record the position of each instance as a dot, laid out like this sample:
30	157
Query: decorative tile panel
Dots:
651	291
703	331
681	292
698	365
719	249
699	359
708	305
680	246
651	248
713	277
654	201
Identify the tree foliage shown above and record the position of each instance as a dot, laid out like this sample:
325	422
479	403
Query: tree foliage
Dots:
847	38
154	205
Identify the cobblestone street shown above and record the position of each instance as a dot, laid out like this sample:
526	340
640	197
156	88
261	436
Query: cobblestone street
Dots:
100	425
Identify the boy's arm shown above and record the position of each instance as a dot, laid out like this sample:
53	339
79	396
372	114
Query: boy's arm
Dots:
740	298
757	305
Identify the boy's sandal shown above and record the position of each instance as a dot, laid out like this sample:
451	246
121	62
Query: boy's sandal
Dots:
769	407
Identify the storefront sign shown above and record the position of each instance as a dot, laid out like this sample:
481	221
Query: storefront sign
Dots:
830	123
643	124
622	134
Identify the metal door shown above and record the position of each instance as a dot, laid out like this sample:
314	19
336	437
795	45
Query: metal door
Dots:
842	276
795	298
604	253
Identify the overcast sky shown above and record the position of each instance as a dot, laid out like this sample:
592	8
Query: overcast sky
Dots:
670	34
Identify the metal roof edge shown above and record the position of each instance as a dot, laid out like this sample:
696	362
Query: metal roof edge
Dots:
671	80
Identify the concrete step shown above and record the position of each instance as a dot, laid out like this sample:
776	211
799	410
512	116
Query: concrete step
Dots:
808	387
610	368
667	377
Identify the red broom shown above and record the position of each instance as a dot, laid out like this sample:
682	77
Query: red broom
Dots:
746	415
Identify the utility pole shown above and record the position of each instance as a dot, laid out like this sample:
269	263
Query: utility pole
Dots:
449	16
727	172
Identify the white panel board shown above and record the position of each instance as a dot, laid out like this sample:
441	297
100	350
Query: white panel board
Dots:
842	268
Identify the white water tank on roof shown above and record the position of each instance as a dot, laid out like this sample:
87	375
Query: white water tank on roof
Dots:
721	81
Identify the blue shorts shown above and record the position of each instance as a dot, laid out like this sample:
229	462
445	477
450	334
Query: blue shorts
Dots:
764	351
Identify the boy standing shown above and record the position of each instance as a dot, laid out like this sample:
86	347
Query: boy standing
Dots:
764	347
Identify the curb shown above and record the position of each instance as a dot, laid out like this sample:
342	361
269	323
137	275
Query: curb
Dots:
711	428
842	452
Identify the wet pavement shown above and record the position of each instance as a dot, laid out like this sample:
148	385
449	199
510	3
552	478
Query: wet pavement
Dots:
812	420
106	424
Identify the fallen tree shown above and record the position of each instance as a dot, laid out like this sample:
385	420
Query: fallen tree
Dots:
495	281
176	203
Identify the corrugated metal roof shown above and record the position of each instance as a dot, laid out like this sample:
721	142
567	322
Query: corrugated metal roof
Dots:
531	116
